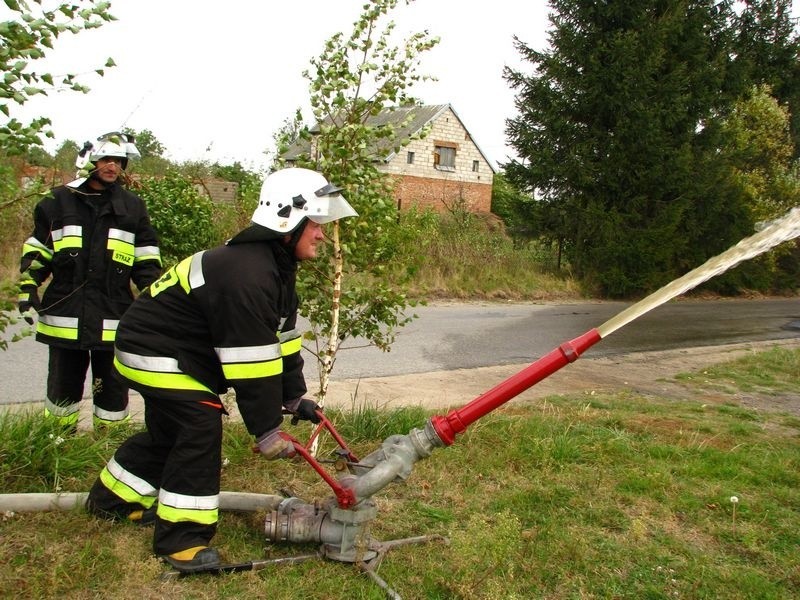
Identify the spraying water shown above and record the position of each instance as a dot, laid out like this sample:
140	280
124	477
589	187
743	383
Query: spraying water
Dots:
454	423
776	232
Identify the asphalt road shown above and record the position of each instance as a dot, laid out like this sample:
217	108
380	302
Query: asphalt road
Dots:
468	335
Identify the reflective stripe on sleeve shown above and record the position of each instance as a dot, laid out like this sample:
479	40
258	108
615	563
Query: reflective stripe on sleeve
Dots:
177	508
34	245
250	362
248	353
70	236
142	253
182	270
196	277
291	342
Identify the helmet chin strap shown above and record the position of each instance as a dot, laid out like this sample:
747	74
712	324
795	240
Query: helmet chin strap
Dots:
290	240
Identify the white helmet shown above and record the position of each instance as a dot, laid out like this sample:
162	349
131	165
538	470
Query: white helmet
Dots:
109	144
290	195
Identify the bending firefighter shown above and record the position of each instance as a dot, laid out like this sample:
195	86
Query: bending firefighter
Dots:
221	318
93	237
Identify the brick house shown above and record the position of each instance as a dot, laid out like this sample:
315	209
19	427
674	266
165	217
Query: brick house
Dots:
443	170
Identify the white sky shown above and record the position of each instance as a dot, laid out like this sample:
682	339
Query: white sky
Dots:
215	80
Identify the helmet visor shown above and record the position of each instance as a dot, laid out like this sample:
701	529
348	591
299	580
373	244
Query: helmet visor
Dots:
338	208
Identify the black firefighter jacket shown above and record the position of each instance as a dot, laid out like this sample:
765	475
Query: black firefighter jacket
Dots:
93	244
221	318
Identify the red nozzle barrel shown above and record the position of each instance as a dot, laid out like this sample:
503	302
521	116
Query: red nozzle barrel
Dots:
457	421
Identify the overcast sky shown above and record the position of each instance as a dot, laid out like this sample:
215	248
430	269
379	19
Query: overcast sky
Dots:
215	80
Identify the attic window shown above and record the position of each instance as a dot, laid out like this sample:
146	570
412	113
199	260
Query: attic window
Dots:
410	158
444	158
475	166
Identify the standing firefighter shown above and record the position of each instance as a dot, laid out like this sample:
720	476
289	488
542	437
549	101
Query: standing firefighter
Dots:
93	237
221	318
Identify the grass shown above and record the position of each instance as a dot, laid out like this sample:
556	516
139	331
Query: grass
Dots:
622	496
770	372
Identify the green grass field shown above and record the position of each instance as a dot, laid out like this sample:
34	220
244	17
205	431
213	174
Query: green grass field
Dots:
573	497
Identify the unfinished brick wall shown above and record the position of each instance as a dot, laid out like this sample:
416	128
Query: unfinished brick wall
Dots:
218	190
442	194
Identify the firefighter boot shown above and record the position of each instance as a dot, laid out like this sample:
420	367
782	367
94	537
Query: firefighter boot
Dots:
194	560
143	517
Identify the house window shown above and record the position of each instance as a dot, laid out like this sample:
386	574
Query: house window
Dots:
410	158
475	165
444	158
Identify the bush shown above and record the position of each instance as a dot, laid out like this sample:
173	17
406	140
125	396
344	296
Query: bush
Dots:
182	217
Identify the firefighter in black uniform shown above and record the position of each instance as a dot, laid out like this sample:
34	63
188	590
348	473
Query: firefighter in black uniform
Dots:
93	237
221	318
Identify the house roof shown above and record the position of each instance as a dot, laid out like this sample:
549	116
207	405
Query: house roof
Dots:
384	151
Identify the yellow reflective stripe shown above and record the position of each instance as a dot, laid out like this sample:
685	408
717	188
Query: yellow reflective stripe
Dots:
34	245
141	486
123	484
110	329
121	252
291	347
188	272
66	420
253	370
68	242
177	515
120	242
177	508
173	381
125	247
182	270
58	327
23	296
70	236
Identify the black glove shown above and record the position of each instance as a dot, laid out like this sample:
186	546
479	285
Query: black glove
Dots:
304	409
28	300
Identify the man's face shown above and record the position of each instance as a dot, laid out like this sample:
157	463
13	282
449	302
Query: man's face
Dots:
311	237
108	169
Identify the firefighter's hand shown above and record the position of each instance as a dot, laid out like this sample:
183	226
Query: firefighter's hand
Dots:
272	446
28	304
303	409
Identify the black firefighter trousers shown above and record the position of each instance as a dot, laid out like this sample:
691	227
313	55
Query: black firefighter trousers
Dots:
66	376
179	453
